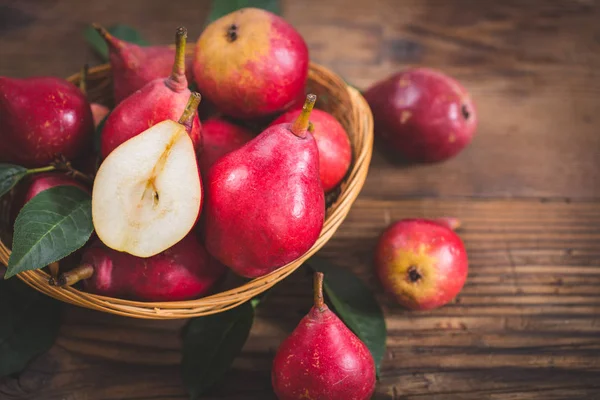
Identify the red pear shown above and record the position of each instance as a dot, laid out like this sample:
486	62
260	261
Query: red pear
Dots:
220	137
40	118
422	263
265	205
322	359
251	63
47	180
161	99
37	183
422	115
184	271
134	66
335	152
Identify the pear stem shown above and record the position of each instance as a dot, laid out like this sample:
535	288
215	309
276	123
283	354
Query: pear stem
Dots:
83	79
318	290
300	125
108	38
178	81
190	109
69	278
54	269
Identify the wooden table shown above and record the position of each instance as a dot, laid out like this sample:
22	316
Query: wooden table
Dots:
527	324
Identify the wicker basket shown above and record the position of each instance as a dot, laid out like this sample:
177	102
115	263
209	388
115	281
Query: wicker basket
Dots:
334	96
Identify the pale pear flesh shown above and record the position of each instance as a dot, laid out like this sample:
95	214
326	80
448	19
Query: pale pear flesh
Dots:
147	193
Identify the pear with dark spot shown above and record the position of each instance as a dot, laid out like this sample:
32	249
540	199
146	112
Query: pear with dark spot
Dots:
422	263
322	359
422	115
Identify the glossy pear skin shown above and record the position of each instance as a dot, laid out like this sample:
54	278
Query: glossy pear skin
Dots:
321	360
134	66
335	152
421	263
154	103
184	271
251	63
41	117
43	181
220	137
422	114
264	202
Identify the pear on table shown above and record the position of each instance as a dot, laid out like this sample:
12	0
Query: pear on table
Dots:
147	193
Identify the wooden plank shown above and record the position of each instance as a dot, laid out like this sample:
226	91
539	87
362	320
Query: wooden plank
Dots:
526	325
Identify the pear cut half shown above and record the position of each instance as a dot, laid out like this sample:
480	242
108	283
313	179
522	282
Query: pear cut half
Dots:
147	193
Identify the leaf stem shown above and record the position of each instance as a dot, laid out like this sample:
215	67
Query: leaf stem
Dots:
318	290
69	278
62	164
301	124
41	169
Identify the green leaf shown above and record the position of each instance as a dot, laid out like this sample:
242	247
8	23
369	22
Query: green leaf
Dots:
223	7
211	344
10	175
121	31
30	323
52	225
355	304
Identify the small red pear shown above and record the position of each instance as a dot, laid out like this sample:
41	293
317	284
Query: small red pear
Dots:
422	263
322	359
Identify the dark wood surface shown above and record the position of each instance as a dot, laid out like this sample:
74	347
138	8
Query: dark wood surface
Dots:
527	324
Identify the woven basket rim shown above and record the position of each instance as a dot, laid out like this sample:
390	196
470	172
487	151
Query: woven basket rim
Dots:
224	300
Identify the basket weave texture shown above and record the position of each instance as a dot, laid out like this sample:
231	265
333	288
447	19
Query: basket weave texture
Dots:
333	96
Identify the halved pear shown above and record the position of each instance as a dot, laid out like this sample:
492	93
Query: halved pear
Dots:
147	193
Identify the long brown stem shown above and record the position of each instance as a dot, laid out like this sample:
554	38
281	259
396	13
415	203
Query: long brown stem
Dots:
69	278
191	108
178	81
300	125
318	290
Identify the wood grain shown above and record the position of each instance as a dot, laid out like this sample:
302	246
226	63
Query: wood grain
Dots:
526	325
